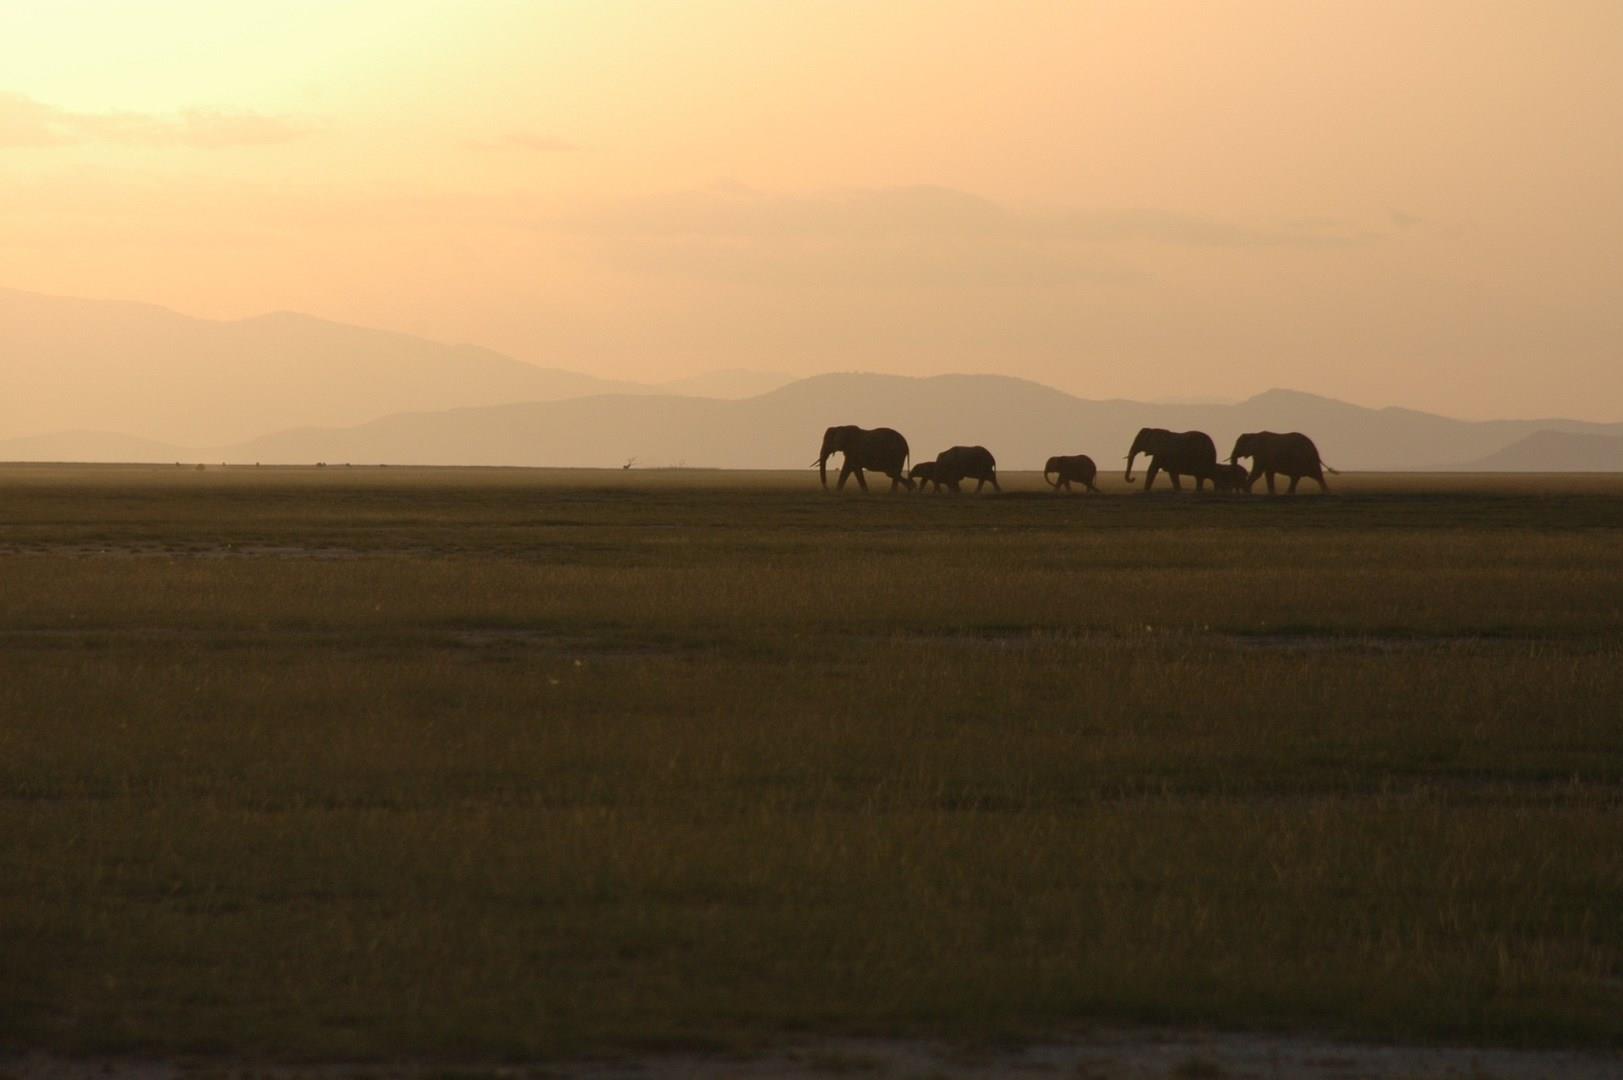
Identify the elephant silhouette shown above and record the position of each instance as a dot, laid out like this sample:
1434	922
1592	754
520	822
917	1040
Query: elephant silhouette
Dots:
1069	468
959	463
880	449
1176	453
1290	453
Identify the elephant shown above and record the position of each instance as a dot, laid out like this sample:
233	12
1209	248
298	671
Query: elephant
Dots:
1231	478
958	463
924	473
1077	467
1177	453
881	449
1291	453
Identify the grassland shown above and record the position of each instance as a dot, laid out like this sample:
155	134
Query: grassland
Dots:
485	763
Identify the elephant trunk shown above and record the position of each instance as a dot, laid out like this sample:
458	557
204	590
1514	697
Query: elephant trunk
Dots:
822	469
1130	458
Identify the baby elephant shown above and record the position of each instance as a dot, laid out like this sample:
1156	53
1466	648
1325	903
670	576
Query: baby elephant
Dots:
1232	478
1077	467
925	472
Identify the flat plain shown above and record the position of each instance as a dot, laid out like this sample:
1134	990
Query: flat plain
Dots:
483	764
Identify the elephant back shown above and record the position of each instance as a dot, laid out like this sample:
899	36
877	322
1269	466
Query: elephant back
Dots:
971	461
883	449
1196	453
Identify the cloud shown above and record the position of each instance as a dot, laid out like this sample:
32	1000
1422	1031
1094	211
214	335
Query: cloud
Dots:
908	237
528	141
734	211
1186	230
26	123
728	210
916	237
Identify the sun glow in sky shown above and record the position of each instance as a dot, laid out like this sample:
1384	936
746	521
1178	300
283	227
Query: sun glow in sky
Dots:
1388	202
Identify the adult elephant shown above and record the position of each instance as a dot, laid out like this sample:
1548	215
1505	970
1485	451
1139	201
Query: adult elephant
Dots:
1290	453
959	463
1068	468
880	449
1176	453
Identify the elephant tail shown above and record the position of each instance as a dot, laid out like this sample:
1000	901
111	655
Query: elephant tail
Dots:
1331	469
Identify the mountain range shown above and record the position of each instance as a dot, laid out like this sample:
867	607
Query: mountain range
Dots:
104	381
144	371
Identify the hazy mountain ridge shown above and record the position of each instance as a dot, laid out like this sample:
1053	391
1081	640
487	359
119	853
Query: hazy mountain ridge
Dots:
1023	423
729	383
1557	451
143	371
327	391
151	373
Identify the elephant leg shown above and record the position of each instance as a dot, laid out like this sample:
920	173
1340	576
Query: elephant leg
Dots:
862	481
1271	490
1149	476
845	474
1177	480
1318	474
1292	489
995	487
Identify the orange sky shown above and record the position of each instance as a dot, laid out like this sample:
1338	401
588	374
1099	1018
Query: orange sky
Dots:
1387	202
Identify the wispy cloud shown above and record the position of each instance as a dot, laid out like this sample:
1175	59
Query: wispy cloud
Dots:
529	141
907	237
1187	230
729	210
26	123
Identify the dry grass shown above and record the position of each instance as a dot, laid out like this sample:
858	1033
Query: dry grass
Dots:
482	762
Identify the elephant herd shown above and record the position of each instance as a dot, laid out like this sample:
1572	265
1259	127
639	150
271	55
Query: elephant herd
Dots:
1176	453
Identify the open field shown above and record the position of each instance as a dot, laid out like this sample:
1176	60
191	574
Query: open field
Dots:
488	763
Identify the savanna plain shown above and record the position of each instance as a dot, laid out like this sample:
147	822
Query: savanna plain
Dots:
360	764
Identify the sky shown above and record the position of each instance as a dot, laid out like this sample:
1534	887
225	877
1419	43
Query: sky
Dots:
1386	202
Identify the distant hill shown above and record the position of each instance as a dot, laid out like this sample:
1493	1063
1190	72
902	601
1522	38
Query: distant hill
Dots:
109	381
1556	451
93	446
1351	436
76	365
1022	422
727	383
